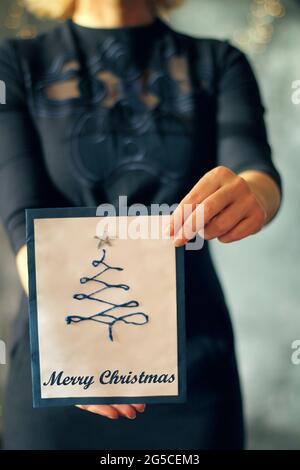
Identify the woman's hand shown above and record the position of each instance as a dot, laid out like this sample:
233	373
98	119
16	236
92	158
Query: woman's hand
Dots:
233	206
114	411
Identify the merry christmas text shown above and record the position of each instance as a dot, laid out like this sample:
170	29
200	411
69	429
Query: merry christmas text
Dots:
107	377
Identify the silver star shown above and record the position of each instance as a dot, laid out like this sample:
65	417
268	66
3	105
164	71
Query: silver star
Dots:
104	239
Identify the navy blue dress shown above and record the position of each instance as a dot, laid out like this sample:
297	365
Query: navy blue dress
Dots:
145	112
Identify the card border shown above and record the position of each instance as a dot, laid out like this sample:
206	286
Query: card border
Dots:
38	401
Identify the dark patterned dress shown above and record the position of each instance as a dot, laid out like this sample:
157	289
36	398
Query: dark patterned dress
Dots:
144	112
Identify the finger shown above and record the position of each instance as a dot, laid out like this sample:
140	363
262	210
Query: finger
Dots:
127	411
206	185
203	214
226	220
103	410
140	407
243	229
193	225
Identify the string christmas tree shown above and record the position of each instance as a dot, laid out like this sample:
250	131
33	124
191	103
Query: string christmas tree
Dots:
108	315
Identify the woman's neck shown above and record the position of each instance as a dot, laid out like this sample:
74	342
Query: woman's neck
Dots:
113	13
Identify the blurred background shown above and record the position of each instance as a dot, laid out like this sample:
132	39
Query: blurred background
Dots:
260	275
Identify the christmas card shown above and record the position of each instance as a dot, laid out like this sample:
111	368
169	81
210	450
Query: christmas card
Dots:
106	301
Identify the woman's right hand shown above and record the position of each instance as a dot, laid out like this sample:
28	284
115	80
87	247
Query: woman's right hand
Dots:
114	411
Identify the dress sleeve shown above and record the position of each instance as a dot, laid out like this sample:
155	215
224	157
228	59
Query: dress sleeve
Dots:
241	131
24	182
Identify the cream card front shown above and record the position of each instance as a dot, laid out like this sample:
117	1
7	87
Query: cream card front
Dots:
106	315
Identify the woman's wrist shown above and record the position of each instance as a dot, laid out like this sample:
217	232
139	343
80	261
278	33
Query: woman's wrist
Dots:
266	191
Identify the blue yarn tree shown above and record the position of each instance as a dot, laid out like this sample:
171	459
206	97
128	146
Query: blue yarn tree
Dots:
108	315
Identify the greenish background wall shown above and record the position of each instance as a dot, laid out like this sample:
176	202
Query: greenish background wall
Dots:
261	274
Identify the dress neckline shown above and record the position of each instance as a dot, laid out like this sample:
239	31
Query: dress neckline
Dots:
154	27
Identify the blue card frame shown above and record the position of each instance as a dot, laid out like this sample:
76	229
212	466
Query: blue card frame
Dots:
38	401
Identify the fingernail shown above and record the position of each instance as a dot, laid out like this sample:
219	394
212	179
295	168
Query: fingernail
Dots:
141	410
113	416
131	416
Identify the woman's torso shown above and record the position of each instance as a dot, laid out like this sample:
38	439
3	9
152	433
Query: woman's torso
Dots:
129	112
121	112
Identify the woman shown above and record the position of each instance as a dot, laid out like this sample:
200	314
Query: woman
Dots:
114	102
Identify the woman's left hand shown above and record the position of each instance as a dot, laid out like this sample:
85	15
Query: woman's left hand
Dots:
234	206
